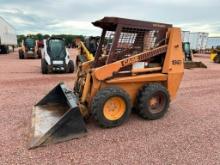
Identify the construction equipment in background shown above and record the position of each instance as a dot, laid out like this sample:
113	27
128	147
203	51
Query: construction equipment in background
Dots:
55	57
189	63
137	65
92	43
29	49
84	54
215	54
87	49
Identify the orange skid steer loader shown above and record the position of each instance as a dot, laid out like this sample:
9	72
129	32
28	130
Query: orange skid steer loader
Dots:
137	65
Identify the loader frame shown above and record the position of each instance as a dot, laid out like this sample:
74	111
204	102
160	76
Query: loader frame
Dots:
98	75
137	65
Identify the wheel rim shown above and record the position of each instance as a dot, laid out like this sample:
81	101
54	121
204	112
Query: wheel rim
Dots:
114	108
156	102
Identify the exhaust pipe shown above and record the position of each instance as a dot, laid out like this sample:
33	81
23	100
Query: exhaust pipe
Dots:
56	118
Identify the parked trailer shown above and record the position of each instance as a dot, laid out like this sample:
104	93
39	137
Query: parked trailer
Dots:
7	36
198	41
213	42
185	36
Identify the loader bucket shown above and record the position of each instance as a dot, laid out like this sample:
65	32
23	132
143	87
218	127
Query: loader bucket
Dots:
56	118
193	64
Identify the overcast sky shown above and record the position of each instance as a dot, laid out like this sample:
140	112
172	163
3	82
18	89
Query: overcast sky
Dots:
75	16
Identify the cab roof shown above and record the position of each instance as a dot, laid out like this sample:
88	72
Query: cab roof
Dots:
110	23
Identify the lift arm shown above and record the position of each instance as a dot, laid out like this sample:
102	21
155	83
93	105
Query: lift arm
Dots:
89	56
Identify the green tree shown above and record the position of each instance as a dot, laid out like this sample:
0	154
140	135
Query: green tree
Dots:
39	36
45	36
20	38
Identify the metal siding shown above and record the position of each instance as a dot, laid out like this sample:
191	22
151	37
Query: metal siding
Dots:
193	40
198	40
7	33
185	36
213	42
204	40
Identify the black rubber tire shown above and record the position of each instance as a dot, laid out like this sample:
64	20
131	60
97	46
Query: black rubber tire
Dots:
7	49
4	49
70	67
143	107
39	53
21	54
44	66
77	62
217	59
98	103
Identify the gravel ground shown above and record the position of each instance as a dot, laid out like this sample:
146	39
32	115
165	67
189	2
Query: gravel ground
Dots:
188	134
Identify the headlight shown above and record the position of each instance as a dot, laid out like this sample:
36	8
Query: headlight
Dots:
57	62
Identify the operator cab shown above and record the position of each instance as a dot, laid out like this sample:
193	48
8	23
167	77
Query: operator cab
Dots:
29	43
56	49
122	38
187	51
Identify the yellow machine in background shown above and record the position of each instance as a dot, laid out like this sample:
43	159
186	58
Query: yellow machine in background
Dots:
215	54
84	53
29	48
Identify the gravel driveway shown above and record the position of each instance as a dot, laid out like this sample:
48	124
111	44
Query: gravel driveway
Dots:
188	134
